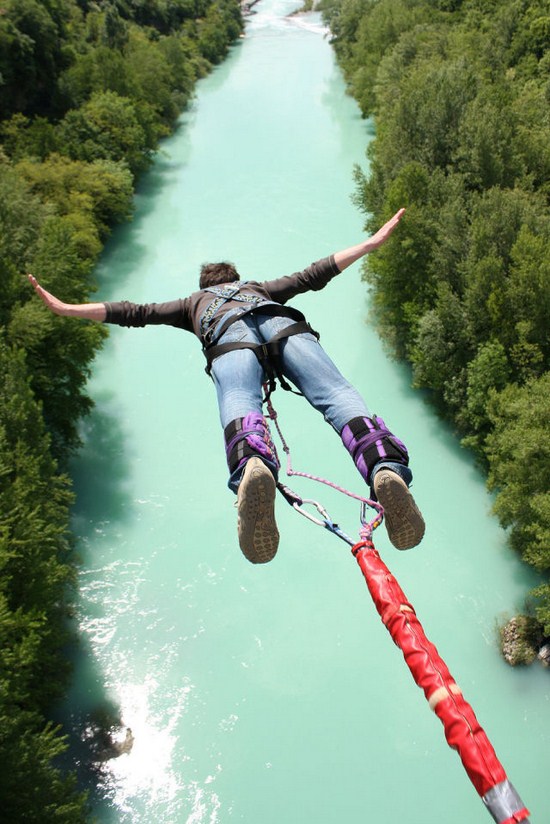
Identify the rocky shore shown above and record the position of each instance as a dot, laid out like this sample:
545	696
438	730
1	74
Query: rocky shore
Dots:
522	642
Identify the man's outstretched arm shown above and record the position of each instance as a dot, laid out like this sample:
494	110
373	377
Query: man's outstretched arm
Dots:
88	311
346	257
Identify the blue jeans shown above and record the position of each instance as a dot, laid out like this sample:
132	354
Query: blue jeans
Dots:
238	377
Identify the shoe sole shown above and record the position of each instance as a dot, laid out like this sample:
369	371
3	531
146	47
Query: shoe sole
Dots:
404	522
257	528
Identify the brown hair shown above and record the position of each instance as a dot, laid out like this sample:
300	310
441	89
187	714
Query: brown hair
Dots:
212	274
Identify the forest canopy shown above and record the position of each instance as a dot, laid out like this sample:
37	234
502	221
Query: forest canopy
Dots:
87	90
460	94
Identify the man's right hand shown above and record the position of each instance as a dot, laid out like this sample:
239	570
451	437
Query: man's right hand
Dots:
87	311
53	303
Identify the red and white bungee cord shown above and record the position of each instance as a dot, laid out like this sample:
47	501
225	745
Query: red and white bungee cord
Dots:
462	729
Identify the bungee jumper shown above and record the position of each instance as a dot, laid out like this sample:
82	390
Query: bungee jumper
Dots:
249	337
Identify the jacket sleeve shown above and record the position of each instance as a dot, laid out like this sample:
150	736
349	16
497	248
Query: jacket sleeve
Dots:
171	313
313	278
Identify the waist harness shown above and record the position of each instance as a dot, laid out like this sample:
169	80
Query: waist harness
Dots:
268	353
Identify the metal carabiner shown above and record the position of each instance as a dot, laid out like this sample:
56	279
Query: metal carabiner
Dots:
327	521
370	526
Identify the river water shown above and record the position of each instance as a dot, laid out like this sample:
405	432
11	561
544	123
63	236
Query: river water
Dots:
274	694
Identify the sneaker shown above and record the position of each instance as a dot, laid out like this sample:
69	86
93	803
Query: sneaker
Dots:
404	521
258	533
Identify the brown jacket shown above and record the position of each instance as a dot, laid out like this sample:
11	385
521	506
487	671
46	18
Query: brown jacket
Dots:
186	313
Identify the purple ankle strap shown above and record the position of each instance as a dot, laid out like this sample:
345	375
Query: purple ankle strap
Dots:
369	441
255	432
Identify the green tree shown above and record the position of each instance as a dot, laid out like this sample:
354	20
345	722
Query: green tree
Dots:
153	79
115	32
486	152
27	137
111	127
487	372
459	91
400	271
527	300
506	278
532	139
97	69
34	554
32	53
58	352
220	26
422	122
100	190
363	32
519	456
21	217
442	349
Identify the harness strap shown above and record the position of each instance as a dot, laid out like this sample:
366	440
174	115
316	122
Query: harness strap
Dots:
268	355
230	291
214	333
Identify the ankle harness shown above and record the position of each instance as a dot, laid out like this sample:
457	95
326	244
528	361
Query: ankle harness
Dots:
268	353
368	440
246	437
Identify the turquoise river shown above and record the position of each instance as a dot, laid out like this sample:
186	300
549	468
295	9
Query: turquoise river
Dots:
273	694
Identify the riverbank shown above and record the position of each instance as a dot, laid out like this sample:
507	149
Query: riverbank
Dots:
465	301
88	91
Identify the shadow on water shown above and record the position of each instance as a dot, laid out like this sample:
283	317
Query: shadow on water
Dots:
90	718
444	445
444	437
93	727
100	472
124	250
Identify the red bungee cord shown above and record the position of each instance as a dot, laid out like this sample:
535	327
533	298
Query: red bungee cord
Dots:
462	729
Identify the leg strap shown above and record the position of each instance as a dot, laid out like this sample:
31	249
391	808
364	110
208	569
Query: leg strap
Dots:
265	352
248	436
369	441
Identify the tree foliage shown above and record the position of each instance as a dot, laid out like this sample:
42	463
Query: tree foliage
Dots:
460	93
34	501
519	454
87	89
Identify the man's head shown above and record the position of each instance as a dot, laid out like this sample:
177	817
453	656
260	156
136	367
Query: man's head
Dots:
212	274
